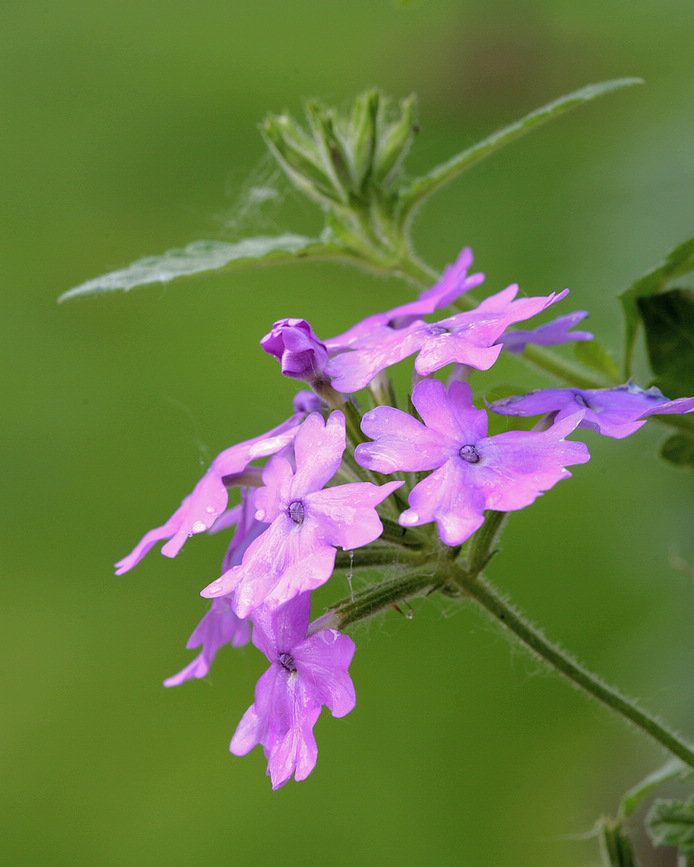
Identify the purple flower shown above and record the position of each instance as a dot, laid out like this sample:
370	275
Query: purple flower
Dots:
453	283
305	673
218	627
297	551
614	412
199	511
472	472
466	338
551	334
296	347
221	625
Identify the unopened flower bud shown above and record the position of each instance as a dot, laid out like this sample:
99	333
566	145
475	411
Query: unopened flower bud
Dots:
296	347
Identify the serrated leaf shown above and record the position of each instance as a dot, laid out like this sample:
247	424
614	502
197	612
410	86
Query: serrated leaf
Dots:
671	823
413	195
679	450
668	319
679	262
593	354
674	768
203	256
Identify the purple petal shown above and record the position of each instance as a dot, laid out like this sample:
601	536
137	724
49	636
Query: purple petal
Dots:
322	661
346	514
680	405
453	283
614	412
218	627
444	497
551	334
318	448
401	443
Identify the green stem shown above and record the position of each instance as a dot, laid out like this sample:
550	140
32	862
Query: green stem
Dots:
505	614
441	572
563	369
379	597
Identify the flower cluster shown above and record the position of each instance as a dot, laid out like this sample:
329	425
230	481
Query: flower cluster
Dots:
312	487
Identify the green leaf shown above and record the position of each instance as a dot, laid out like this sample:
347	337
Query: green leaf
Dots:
679	262
668	320
671	823
413	195
669	771
593	354
202	256
679	450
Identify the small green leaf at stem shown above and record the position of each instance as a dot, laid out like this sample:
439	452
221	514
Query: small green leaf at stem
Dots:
679	262
671	823
421	188
203	256
668	320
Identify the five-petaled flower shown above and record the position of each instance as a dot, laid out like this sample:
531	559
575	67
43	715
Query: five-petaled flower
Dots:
472	472
614	412
307	522
466	338
306	673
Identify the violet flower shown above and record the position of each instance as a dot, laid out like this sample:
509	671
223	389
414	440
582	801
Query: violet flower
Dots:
453	283
221	625
551	334
199	511
466	338
218	627
472	472
297	551
305	673
296	347
614	412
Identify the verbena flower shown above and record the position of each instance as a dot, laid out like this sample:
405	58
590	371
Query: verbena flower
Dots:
296	347
466	338
218	627
221	625
201	509
453	283
297	551
614	412
551	334
305	674
472	472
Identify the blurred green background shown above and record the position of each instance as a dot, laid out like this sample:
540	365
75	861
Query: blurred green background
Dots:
130	128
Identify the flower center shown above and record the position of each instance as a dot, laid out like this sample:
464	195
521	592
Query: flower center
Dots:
470	454
287	661
581	401
436	330
296	511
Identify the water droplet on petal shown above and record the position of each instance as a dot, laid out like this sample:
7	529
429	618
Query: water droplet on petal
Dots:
199	527
209	510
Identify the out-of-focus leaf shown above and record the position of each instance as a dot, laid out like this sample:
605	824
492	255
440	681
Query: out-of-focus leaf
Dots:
593	354
669	771
202	256
679	450
679	262
417	191
668	320
671	823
